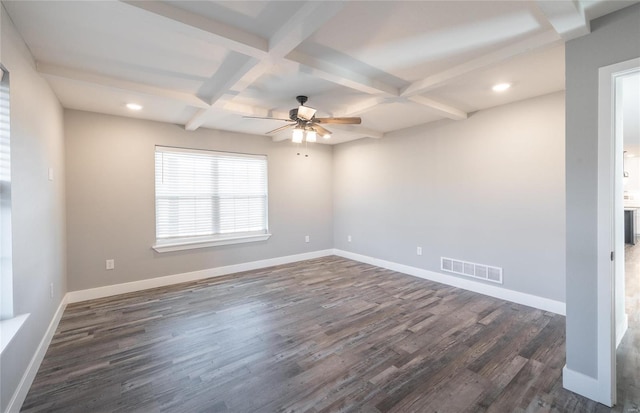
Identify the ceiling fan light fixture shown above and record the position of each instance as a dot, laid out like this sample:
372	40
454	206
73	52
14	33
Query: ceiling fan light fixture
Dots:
297	135
305	112
311	136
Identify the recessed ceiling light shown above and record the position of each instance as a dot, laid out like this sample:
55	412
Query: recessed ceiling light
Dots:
133	106
501	87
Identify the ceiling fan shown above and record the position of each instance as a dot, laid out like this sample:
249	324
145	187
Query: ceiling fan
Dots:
305	124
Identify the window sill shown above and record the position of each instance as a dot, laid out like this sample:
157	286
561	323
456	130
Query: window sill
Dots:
9	328
176	245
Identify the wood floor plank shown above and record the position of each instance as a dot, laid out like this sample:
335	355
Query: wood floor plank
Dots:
324	335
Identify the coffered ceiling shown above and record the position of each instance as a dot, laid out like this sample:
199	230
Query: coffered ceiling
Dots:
206	64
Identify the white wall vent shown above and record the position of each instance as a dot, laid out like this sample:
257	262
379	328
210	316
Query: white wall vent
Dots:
470	269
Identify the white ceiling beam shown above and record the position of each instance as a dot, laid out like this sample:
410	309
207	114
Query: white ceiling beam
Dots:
304	22
309	18
51	70
342	76
234	68
249	110
357	130
237	81
440	108
568	18
228	106
362	106
197	120
545	39
176	19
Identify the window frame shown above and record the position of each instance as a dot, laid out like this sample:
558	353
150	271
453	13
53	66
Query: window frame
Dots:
6	254
163	245
10	323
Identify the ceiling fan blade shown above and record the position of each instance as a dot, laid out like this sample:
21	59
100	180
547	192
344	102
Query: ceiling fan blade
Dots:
305	112
260	117
340	121
320	130
276	130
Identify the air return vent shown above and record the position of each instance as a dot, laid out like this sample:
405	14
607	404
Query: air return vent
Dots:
470	269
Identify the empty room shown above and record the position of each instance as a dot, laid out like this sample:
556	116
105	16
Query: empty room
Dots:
319	206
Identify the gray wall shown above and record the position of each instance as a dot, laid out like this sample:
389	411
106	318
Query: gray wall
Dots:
489	190
614	39
110	199
38	206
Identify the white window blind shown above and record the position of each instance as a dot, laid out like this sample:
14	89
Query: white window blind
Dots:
202	194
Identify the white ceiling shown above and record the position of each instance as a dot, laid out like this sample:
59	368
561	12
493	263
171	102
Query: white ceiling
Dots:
207	64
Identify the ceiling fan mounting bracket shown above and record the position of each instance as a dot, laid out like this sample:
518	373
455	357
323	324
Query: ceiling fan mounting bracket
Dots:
302	99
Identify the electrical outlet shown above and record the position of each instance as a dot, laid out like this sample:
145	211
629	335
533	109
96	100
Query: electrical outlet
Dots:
306	238
348	238
419	250
110	264
51	290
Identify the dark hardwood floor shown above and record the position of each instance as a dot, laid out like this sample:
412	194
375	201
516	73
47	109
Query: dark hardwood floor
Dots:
326	335
628	353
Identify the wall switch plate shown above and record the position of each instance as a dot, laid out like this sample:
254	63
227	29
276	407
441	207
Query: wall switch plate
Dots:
306	238
110	264
419	250
50	174
348	238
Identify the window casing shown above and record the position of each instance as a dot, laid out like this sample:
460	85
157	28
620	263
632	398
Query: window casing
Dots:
10	324
6	270
207	198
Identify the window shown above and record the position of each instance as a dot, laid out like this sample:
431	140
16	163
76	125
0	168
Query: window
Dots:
9	323
6	273
206	198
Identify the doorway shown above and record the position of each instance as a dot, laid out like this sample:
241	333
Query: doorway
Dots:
612	200
627	289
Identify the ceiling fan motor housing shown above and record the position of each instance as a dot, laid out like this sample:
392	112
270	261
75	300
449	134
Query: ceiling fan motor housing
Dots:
293	113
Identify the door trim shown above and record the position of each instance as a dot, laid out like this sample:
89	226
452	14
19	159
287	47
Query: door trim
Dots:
606	353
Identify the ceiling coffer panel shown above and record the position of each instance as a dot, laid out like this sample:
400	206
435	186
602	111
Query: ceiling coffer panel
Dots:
367	67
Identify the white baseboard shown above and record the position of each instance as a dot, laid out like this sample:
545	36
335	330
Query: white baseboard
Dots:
621	329
530	300
109	290
584	385
27	379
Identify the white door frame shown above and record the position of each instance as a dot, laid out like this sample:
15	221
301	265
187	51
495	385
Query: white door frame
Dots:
609	161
